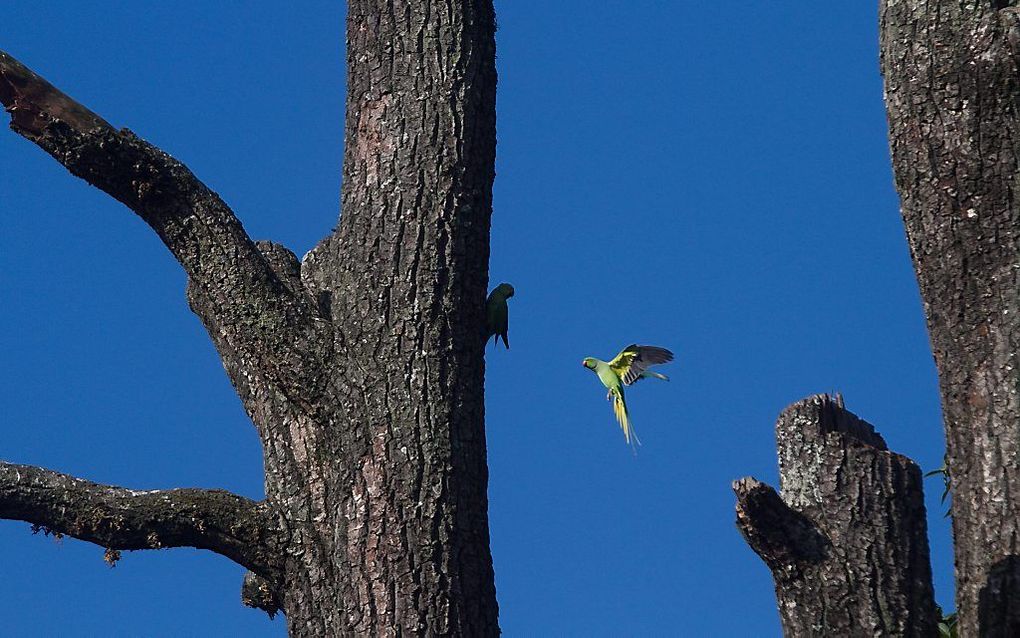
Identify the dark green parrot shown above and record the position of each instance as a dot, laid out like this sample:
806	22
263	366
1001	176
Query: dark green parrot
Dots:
497	317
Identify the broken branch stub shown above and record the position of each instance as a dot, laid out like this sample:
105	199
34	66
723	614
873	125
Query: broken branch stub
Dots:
846	538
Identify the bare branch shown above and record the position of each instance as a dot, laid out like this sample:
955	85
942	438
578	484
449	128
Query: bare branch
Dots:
268	320
123	519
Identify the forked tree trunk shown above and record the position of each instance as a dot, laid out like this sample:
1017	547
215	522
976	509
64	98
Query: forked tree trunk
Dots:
952	87
847	540
361	366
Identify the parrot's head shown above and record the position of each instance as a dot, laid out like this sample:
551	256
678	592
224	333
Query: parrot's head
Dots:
589	363
505	290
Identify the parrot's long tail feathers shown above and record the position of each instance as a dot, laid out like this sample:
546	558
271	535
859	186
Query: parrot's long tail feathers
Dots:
648	373
620	409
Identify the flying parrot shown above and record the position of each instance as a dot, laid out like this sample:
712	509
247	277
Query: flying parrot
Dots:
626	368
497	317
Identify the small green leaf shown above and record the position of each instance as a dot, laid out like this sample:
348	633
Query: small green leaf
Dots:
946	480
947	626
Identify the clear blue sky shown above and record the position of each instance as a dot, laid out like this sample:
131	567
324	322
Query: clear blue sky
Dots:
710	177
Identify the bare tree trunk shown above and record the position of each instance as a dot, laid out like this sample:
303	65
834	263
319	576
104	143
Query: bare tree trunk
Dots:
952	94
361	366
847	540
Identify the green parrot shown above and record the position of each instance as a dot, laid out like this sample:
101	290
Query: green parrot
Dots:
497	316
626	368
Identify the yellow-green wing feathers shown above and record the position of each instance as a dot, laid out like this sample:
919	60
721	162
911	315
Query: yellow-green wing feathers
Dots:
626	368
635	359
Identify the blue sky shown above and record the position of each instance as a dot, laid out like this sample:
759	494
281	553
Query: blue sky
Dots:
709	177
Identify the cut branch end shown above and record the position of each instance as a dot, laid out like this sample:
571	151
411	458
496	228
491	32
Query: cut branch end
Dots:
35	104
779	534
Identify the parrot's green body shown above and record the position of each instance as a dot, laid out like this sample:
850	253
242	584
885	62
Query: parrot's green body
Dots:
626	368
497	315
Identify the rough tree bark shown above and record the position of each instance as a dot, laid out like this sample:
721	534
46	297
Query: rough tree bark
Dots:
847	541
361	366
952	95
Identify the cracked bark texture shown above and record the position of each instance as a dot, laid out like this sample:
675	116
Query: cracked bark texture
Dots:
847	539
360	365
952	93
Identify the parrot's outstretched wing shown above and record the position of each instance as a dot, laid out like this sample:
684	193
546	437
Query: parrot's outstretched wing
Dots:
634	360
620	410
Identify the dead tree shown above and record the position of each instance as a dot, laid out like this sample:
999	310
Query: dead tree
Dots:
360	366
952	87
847	538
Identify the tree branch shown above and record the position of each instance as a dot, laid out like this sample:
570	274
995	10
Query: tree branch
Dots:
123	519
268	320
783	537
259	593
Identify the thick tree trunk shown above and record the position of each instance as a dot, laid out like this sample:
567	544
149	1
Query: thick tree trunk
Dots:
361	366
847	540
952	93
404	496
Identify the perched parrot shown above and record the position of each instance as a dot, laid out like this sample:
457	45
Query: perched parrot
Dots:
497	317
627	368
